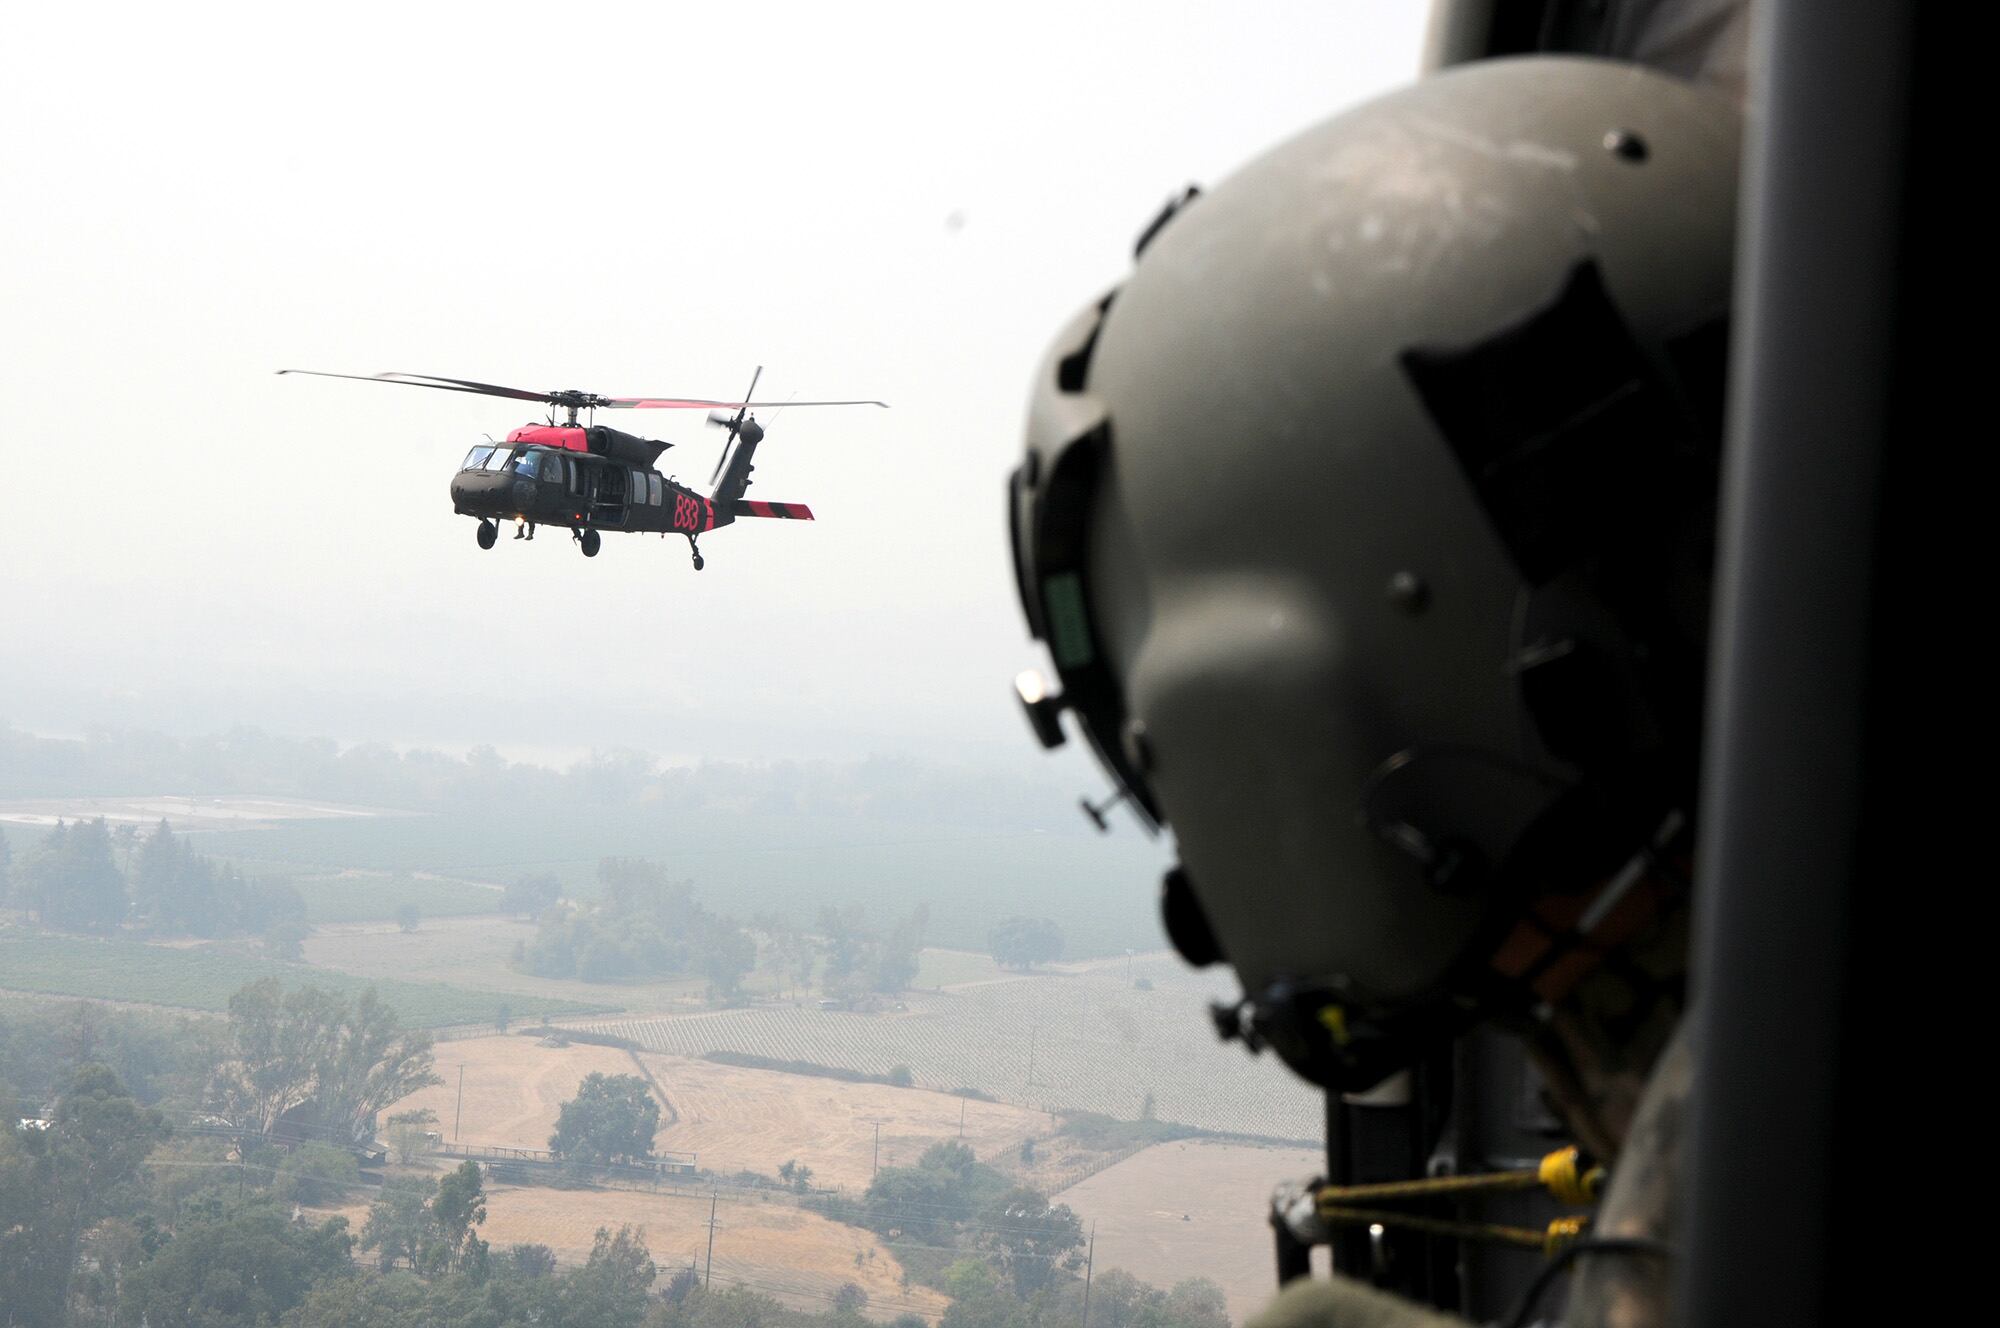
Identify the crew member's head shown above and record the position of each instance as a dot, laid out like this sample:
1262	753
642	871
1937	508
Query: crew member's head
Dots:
1367	524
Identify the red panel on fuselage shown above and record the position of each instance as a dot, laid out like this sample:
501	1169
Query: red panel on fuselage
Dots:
550	435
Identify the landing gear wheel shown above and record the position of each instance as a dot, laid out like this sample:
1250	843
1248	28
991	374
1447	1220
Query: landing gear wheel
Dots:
488	532
695	549
699	562
590	540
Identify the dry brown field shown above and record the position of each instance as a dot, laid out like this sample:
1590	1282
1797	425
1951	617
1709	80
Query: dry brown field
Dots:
757	1120
772	1246
734	1119
1192	1209
514	1088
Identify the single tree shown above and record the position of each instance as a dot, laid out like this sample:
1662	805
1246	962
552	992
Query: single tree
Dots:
316	1174
460	1206
1024	942
612	1286
532	896
612	1119
79	885
400	1227
286	940
1195	1302
410	1133
728	956
1033	1239
531	1261
407	916
845	942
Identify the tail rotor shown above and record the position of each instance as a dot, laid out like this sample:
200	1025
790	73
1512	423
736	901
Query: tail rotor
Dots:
740	425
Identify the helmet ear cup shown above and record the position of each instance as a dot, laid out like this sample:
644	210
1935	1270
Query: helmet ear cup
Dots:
1187	926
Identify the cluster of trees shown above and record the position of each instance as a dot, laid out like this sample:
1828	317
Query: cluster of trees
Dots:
107	1218
853	959
308	1064
88	876
1024	942
1006	1256
643	925
1009	797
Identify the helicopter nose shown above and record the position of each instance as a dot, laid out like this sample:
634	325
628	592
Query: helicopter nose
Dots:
478	492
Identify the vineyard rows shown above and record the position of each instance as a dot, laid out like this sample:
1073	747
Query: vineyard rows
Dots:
1090	1042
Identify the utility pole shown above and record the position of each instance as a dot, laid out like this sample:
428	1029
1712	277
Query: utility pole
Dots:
459	1115
709	1267
1089	1264
961	1118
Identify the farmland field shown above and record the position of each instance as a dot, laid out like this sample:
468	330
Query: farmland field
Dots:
203	977
358	896
1099	889
1193	1207
474	953
1087	1039
799	1257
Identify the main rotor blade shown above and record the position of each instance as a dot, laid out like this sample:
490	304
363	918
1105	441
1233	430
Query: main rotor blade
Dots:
689	403
447	385
466	384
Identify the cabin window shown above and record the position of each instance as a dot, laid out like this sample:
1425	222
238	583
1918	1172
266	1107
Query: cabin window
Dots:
552	468
653	485
638	487
476	458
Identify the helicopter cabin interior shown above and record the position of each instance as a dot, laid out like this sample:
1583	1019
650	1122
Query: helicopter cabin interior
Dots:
602	489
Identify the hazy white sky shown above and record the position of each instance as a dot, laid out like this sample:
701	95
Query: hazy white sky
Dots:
626	199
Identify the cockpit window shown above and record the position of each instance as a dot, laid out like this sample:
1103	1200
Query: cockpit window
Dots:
476	458
498	461
527	463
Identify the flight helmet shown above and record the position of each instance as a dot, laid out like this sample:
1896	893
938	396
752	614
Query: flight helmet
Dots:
1367	525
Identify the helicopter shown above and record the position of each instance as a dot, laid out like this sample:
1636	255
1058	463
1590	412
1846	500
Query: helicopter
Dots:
592	478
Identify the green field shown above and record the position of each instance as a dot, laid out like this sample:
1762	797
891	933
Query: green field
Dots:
1101	890
374	898
204	978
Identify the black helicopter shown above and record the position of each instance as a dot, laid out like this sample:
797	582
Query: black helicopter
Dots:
591	478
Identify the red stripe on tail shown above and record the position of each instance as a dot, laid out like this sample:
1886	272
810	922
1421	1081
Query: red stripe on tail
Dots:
785	511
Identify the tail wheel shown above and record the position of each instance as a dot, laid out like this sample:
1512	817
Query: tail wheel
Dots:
488	532
591	540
